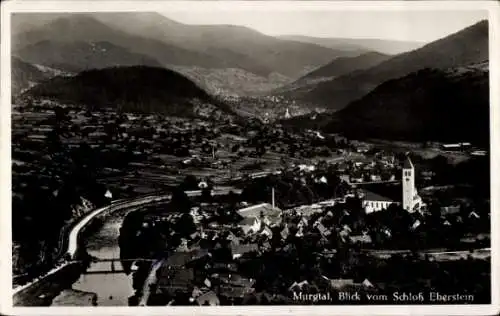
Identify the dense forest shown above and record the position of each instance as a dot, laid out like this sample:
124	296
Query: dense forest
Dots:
132	89
427	105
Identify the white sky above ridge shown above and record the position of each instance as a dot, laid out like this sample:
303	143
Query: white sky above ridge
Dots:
418	26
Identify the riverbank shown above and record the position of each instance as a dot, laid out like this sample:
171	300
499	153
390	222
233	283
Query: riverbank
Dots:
43	291
71	297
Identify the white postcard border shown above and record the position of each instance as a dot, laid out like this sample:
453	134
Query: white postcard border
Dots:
93	6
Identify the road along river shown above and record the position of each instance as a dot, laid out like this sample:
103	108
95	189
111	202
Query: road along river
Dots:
111	289
103	243
58	287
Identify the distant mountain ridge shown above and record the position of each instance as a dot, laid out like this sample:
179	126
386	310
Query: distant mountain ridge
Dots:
24	75
467	46
229	42
82	28
450	105
338	67
78	56
343	65
431	104
134	89
359	46
170	42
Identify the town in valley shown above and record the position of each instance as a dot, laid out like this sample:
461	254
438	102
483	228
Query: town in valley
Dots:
361	176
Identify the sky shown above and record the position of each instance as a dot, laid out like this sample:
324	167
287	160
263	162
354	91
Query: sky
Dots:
418	26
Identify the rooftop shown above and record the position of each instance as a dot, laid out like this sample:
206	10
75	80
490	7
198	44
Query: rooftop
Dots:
371	196
255	210
248	221
408	164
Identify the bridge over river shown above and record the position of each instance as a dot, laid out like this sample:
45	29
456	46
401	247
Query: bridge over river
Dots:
109	265
112	287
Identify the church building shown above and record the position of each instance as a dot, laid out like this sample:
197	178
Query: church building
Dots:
409	198
287	114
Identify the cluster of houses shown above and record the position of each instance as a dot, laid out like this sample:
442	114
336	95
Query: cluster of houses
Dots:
210	275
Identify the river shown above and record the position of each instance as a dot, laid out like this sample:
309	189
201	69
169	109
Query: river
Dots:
112	289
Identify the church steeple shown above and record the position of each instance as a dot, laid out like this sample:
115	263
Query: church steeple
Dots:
287	114
408	164
408	179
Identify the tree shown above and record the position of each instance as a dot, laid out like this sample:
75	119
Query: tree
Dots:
235	148
260	150
185	225
206	195
180	201
189	183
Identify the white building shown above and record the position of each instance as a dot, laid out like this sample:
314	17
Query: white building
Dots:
287	114
410	200
373	202
250	225
256	210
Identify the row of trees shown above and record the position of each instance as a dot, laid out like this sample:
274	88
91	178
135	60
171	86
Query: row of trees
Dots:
47	200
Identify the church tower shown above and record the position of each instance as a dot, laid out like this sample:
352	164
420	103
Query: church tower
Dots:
408	179
287	114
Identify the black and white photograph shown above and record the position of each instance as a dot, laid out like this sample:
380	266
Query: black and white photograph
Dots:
248	154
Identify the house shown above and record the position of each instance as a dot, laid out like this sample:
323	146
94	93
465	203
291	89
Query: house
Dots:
226	267
416	224
347	229
356	177
322	179
297	286
108	195
250	225
285	232
367	284
479	153
306	168
203	185
362	149
241	249
266	231
446	210
234	279
234	293
338	284
233	239
208	299
362	239
456	146
300	232
373	202
179	259
427	175
473	215
388	159
173	280
451	147
323	230
265	209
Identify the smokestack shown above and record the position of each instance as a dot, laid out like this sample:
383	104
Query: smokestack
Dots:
272	196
